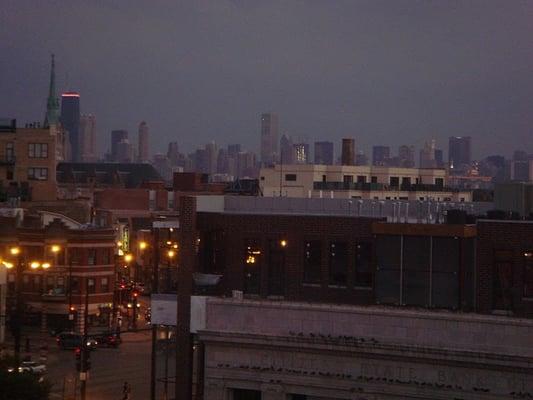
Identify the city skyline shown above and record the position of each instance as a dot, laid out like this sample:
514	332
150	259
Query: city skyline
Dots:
418	81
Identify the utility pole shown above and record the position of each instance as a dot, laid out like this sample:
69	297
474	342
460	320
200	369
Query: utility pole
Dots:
84	349
155	289
17	315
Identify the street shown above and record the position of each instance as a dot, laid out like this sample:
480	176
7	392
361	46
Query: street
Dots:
110	369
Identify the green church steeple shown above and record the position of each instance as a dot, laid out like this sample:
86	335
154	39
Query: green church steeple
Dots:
52	104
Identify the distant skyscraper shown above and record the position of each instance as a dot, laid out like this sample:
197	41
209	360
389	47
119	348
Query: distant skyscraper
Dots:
173	153
234	149
124	151
406	156
380	155
88	138
52	104
324	153
144	149
212	157
361	158
439	158
286	150
459	152
70	119
117	136
269	138
300	153
427	155
348	151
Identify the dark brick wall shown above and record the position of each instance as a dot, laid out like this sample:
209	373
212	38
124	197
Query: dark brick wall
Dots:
514	238
295	230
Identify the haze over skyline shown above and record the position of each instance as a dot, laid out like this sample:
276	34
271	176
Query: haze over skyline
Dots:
383	72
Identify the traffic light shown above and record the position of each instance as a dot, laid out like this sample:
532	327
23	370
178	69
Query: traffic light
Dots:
77	352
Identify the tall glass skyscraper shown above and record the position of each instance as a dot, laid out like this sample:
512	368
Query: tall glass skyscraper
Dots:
70	119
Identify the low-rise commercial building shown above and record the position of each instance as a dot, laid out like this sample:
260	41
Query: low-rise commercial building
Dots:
361	182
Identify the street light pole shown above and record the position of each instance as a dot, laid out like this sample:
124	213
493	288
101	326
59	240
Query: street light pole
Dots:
155	289
16	317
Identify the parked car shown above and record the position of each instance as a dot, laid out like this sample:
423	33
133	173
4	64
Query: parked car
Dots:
32	367
70	340
108	339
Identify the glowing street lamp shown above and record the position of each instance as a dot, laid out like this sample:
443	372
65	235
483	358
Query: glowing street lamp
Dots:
171	253
35	264
56	248
143	245
128	258
14	251
283	243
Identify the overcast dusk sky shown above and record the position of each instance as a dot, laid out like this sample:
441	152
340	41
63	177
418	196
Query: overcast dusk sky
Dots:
385	72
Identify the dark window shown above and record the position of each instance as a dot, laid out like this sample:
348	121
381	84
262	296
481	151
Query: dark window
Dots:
49	284
374	179
312	261
528	274
347	179
406	182
394	181
10	151
9	173
439	182
444	272
91	285
104	285
60	285
276	268
246	394
338	263
361	179
290	177
323	178
502	280
388	261
105	256
252	266
363	264
75	285
415	290
91	256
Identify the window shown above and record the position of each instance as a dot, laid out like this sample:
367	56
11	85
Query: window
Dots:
10	151
290	177
276	268
323	178
363	264
347	178
528	274
37	174
312	261
406	181
374	179
91	256
394	181
50	284
361	179
91	287
338	263
75	285
105	256
104	285
38	150
439	182
252	266
60	285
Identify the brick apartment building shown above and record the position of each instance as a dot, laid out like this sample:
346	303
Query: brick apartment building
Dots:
338	307
28	159
83	266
